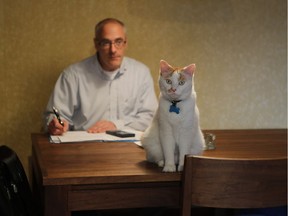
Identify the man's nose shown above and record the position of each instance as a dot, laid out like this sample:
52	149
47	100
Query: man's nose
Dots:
112	48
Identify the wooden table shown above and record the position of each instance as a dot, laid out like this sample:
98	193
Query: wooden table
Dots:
90	176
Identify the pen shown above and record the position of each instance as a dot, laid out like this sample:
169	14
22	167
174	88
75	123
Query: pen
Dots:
58	116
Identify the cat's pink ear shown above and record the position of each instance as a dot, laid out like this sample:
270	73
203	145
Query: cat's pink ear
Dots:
189	70
165	69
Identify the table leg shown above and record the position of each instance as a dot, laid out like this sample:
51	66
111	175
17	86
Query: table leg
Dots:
56	199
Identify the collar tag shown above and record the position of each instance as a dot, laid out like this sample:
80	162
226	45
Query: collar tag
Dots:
174	108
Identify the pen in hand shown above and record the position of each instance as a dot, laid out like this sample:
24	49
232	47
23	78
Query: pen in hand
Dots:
58	116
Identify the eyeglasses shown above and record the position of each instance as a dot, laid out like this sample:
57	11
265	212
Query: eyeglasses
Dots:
118	43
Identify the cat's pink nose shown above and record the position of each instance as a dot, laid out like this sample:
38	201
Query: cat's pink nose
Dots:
172	90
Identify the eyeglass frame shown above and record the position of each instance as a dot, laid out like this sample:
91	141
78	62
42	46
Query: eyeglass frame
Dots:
119	43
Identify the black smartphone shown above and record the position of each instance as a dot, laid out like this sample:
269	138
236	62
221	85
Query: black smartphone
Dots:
120	133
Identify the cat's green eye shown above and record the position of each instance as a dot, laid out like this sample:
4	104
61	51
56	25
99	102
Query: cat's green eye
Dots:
182	82
168	81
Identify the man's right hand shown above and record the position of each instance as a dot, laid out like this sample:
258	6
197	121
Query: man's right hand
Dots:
55	128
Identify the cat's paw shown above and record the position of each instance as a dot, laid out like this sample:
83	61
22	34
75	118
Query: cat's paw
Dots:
169	168
161	163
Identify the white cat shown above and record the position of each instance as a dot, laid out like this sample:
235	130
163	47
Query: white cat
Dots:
175	129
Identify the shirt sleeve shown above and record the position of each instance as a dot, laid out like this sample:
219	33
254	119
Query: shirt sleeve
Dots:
145	107
63	98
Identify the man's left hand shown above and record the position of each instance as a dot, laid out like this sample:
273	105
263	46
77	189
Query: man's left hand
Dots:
102	126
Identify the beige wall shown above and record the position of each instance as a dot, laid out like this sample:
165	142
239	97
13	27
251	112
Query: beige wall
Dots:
239	47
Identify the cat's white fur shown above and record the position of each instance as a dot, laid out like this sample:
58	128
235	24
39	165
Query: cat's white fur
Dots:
171	136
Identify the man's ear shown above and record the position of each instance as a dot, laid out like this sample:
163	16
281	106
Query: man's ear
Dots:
95	44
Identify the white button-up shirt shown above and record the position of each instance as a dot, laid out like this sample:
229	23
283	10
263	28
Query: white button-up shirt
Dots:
85	94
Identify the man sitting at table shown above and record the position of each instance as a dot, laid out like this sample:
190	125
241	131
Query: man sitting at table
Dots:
106	91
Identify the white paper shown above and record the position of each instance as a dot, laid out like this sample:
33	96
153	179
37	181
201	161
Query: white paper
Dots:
83	136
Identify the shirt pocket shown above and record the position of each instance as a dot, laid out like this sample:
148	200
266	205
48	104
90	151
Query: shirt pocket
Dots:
129	104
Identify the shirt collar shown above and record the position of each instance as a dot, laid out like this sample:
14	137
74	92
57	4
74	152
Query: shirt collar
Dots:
121	70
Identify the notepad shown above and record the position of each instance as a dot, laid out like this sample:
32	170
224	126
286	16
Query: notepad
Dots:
83	136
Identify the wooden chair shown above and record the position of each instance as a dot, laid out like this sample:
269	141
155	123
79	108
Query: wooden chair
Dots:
233	183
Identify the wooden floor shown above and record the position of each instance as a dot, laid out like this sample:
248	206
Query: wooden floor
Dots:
277	211
146	212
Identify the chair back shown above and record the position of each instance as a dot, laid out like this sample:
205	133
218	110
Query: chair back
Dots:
233	183
15	193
